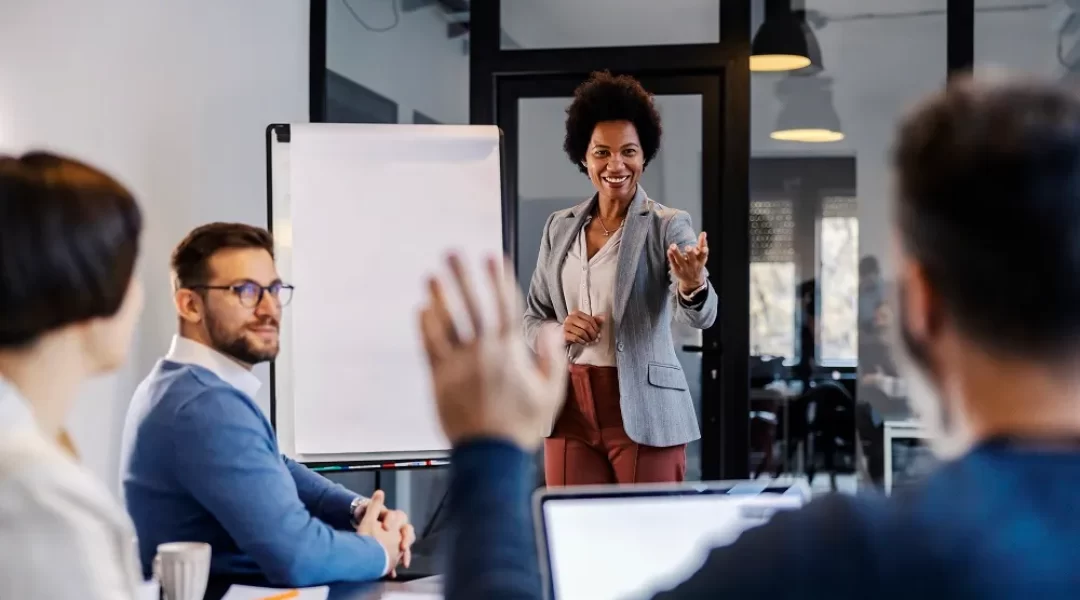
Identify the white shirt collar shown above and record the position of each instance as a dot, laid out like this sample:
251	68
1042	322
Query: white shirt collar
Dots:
190	352
14	409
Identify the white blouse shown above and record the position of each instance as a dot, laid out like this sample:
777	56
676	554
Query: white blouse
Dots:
589	286
62	534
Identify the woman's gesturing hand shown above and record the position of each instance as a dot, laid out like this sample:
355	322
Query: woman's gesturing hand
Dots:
688	264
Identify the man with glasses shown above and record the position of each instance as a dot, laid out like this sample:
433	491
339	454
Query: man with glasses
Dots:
199	460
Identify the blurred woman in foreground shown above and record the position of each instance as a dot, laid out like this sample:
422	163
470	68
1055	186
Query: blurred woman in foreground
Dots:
69	237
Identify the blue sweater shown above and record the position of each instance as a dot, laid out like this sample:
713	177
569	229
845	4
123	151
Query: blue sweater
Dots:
998	523
204	466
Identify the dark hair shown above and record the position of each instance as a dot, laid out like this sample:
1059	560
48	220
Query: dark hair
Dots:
869	267
191	258
69	237
989	206
606	97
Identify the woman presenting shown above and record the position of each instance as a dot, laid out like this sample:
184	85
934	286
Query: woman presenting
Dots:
610	274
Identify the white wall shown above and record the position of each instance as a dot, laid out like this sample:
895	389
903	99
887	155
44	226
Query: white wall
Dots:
172	97
413	64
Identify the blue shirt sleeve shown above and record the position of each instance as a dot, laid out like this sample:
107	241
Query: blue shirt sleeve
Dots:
492	551
228	461
325	499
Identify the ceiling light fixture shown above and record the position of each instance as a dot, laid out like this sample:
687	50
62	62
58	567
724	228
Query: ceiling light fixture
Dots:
784	42
807	113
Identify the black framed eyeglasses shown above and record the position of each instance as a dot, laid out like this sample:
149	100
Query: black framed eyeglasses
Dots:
251	293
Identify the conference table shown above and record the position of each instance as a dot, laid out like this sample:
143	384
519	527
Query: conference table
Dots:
352	591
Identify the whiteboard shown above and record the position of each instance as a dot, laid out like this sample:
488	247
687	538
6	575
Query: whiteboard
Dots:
361	214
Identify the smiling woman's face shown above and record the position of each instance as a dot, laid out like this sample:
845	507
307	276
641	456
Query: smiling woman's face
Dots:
615	160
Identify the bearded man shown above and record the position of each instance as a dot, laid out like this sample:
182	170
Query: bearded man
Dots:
199	460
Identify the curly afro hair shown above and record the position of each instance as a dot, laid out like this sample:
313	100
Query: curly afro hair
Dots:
607	97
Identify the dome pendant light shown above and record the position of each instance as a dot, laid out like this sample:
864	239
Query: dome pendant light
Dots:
784	42
807	114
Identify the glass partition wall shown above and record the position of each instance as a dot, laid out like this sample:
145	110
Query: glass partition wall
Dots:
786	168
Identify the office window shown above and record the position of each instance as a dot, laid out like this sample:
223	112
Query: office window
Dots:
403	52
1035	37
839	276
772	279
820	137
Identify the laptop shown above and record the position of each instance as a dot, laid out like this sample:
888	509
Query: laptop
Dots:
628	542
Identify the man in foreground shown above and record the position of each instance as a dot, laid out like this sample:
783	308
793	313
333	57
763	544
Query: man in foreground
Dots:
200	460
987	218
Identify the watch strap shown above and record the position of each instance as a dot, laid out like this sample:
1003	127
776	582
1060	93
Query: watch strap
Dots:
355	506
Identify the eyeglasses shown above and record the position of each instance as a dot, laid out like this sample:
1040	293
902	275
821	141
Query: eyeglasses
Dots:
251	293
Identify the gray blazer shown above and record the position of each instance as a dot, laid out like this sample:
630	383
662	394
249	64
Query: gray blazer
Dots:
657	409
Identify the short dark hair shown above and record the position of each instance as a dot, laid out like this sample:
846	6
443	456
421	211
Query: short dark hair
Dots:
607	97
190	261
989	205
69	238
869	267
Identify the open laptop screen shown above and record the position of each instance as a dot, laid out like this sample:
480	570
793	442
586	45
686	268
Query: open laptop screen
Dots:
632	544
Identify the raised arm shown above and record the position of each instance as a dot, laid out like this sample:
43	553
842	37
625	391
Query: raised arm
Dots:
701	312
539	309
237	475
491	547
494	400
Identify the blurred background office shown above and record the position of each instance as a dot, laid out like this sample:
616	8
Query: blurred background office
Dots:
785	170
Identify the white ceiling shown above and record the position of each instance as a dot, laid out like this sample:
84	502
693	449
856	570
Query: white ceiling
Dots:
590	23
879	66
577	23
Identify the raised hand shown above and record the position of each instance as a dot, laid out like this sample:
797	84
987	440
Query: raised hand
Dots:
489	385
688	264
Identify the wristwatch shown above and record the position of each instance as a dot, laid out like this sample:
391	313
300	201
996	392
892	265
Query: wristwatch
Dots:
690	297
355	506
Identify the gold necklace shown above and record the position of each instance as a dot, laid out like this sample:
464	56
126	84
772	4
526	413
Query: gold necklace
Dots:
607	232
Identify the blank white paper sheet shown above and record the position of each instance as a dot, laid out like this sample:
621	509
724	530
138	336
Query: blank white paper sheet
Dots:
374	210
247	592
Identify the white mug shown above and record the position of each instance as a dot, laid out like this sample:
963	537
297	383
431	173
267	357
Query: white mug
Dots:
183	569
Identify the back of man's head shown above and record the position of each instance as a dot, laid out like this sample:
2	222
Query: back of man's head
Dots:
988	206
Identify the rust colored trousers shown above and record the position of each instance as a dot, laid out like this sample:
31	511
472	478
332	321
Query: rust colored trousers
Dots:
589	444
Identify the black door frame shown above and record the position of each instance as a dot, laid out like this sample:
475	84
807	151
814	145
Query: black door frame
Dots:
725	194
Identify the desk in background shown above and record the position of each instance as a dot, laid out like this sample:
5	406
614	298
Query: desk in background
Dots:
908	458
